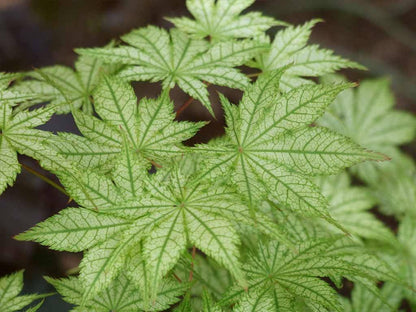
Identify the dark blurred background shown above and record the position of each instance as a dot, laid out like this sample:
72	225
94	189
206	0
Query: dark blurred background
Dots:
380	34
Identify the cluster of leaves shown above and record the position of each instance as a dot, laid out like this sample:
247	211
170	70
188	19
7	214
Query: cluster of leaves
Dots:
263	218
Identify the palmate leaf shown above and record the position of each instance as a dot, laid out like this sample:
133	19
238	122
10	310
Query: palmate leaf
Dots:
149	128
65	88
368	116
122	295
270	149
153	54
349	205
10	287
279	278
173	211
289	46
18	135
75	229
221	20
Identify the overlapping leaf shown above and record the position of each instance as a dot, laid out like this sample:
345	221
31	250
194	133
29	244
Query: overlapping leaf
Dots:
271	149
367	115
148	127
122	295
289	46
166	213
221	20
153	54
279	278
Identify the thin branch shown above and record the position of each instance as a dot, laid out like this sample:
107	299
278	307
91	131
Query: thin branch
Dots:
156	164
45	179
177	277
253	75
184	106
188	102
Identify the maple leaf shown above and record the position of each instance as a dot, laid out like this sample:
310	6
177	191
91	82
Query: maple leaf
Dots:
65	88
279	279
10	301
362	299
368	116
289	46
270	149
122	295
349	205
17	135
149	128
153	55
221	20
165	212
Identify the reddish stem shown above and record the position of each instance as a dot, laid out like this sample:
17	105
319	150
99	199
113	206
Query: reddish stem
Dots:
184	106
177	278
191	274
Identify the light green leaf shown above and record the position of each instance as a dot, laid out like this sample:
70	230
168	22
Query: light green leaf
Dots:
17	135
149	128
277	272
116	102
102	263
173	58
349	205
367	116
75	229
270	151
65	88
289	46
121	296
222	20
10	287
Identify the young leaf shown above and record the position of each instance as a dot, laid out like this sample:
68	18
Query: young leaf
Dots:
289	46
173	58
221	20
